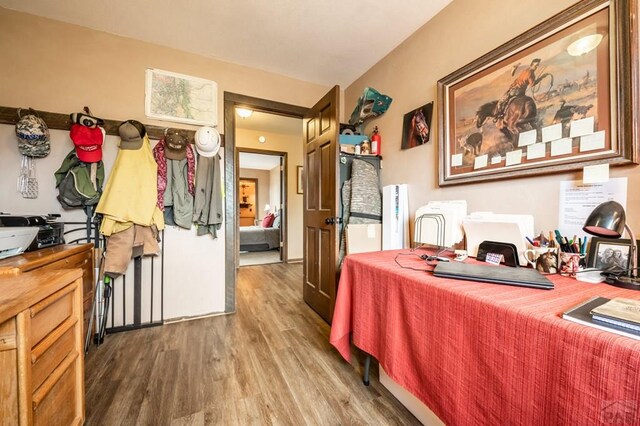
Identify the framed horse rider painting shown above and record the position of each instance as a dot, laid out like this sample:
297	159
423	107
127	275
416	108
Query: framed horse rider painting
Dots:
558	97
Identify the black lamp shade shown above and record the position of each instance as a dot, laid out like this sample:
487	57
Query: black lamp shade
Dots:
606	220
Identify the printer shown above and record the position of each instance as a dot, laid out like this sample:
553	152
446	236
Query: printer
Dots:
49	232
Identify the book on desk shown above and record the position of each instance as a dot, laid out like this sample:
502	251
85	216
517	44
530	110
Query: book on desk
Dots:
587	313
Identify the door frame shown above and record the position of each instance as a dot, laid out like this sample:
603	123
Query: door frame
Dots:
283	193
232	241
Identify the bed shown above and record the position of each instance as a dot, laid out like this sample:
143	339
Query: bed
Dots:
257	238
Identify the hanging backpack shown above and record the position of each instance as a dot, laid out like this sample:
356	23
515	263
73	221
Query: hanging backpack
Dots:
79	184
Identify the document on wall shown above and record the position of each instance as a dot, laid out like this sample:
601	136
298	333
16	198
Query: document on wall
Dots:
577	201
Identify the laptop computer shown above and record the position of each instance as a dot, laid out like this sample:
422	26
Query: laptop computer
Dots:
523	277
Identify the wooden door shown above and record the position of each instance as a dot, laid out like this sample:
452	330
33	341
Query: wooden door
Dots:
320	138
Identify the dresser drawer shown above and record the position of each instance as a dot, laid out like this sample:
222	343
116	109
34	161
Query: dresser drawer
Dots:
54	403
47	359
48	314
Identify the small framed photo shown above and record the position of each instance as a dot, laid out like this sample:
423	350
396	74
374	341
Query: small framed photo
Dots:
299	187
416	126
609	254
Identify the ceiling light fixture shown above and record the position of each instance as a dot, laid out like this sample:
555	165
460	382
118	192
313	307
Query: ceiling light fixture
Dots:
584	45
244	112
262	139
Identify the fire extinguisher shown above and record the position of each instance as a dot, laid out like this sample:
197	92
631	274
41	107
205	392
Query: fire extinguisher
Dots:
376	142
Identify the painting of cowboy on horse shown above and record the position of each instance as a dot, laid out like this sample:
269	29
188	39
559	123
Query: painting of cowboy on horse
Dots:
494	106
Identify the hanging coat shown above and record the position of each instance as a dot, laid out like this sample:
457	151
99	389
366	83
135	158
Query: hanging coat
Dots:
130	194
208	203
175	186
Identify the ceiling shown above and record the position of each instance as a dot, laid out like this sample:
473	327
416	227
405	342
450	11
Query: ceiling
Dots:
270	123
325	42
258	161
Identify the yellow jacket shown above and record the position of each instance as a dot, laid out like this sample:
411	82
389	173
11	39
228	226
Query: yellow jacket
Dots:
130	194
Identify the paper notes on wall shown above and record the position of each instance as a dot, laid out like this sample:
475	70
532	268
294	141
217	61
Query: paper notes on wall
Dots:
561	147
514	157
592	141
480	161
456	160
527	138
552	133
496	159
581	127
595	174
537	150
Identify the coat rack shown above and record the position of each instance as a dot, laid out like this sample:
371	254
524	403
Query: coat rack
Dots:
58	121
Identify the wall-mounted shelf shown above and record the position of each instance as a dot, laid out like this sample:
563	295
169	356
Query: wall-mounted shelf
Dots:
58	121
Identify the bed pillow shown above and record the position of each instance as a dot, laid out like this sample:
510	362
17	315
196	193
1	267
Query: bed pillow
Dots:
267	222
276	221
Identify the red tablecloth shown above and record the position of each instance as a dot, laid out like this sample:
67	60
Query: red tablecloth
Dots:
478	353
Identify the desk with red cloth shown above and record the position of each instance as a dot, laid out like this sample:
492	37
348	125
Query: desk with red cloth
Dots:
481	353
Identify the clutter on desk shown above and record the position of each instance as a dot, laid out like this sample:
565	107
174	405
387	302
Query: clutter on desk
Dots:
582	314
439	223
506	228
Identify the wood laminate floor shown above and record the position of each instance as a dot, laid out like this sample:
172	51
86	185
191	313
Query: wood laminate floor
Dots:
270	363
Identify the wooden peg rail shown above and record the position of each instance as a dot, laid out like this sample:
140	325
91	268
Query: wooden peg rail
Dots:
54	120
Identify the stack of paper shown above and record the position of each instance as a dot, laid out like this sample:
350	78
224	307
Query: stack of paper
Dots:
439	223
505	228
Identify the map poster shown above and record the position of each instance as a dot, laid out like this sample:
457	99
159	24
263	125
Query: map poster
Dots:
181	98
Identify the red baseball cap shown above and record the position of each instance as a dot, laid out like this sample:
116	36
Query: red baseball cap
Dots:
88	142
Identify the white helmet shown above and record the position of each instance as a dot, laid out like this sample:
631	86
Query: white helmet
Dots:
207	141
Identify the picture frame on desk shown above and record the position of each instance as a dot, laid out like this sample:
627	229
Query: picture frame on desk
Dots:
543	102
609	254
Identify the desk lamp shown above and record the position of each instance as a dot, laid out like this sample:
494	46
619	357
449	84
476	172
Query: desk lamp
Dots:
608	220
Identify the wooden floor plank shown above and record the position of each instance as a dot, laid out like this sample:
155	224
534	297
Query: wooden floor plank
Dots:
269	364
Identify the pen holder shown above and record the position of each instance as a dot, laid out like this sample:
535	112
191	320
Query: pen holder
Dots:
544	259
570	263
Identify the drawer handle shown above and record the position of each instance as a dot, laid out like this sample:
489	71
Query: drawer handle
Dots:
53	378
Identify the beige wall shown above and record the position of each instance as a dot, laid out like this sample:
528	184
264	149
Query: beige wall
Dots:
59	67
462	32
264	183
292	145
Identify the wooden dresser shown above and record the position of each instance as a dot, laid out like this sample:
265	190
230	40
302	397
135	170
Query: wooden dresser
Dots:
41	347
66	256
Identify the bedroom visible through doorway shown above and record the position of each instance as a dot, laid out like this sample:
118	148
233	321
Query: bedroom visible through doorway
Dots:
260	207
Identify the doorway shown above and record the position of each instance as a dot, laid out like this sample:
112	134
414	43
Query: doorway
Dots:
262	202
232	102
